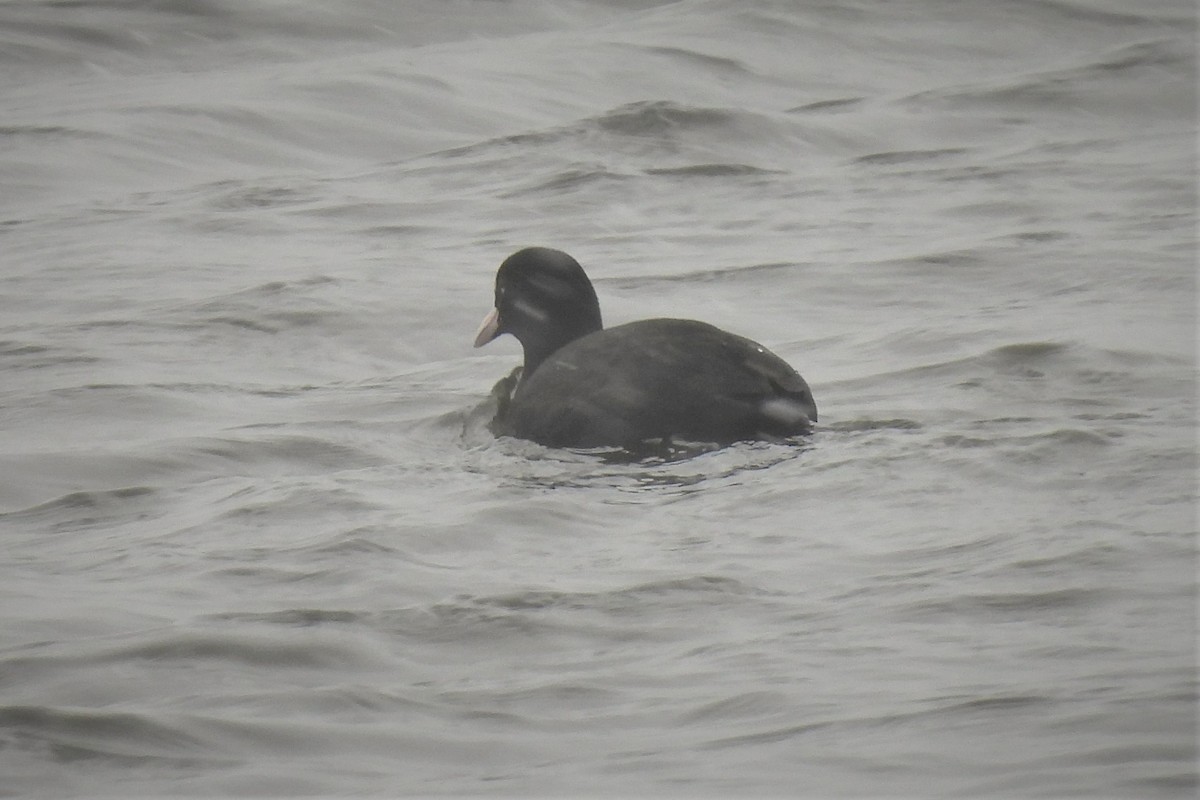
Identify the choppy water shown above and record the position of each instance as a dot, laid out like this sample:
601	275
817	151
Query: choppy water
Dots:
257	540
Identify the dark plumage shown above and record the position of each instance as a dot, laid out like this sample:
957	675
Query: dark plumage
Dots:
586	386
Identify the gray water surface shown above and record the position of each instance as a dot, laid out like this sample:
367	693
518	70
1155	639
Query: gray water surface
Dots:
258	540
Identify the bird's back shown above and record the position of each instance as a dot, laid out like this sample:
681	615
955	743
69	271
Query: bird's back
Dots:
659	378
